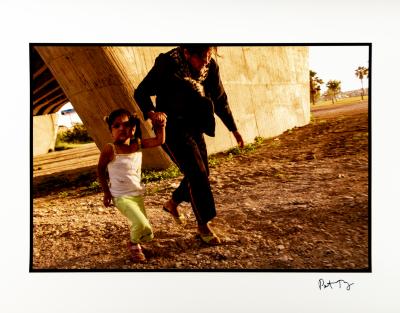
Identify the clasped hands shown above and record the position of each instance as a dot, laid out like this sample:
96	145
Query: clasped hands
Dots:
159	119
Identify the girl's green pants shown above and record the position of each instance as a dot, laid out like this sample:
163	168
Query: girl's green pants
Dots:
132	207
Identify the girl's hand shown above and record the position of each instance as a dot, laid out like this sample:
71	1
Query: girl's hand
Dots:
107	199
158	118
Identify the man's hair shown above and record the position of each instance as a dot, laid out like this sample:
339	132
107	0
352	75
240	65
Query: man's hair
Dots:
198	49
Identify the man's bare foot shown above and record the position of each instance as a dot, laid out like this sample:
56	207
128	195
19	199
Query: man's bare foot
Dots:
207	235
172	208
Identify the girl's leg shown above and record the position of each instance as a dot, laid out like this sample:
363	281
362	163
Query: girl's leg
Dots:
132	207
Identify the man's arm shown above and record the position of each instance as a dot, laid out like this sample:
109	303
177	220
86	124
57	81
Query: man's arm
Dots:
149	86
218	95
142	94
221	105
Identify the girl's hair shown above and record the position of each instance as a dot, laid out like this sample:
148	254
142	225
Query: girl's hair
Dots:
133	121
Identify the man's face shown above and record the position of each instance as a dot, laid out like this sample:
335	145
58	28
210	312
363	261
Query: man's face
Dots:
196	61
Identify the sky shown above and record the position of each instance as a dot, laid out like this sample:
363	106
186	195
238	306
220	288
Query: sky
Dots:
69	119
339	63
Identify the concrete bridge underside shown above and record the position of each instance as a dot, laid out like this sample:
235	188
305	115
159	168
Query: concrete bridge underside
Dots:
267	86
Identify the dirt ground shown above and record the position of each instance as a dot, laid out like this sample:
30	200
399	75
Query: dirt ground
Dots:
297	202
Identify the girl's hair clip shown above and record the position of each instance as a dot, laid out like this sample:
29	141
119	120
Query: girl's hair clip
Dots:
105	118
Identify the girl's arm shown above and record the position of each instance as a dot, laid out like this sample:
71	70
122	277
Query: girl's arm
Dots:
159	129
105	157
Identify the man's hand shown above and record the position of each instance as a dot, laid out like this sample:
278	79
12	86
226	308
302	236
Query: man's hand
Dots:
238	138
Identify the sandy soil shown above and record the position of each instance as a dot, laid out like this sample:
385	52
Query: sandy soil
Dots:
299	201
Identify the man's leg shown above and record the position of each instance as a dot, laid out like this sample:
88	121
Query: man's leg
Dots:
189	156
181	194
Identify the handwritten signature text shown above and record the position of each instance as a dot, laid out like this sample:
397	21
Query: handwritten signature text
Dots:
322	284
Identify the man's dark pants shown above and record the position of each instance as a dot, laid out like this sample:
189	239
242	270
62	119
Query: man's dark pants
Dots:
189	152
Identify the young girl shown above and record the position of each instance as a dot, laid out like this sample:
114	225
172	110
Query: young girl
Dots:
123	160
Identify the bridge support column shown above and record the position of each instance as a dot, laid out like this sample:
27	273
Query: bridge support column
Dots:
94	81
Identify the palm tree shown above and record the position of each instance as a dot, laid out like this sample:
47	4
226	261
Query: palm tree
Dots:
333	88
362	71
315	86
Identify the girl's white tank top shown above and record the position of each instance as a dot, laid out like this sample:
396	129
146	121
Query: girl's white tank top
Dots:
125	174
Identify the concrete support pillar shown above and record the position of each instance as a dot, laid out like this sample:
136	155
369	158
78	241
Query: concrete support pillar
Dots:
96	84
267	88
44	133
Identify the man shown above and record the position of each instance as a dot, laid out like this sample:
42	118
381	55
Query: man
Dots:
188	90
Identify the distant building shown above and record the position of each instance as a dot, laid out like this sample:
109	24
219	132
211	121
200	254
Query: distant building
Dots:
68	111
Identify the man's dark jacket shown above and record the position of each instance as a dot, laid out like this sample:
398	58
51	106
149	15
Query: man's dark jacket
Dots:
186	109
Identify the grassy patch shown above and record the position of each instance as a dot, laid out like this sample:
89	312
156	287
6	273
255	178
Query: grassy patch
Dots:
63	194
89	184
213	161
156	175
72	138
274	143
60	145
94	186
247	148
328	103
60	184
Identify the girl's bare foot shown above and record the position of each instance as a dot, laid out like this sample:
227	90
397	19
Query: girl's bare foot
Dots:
136	252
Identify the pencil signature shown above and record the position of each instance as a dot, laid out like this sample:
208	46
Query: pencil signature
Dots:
331	284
